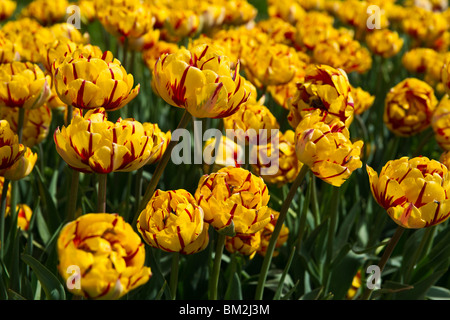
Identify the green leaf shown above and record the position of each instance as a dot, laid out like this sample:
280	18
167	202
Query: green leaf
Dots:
53	288
421	288
234	290
283	276
313	294
438	293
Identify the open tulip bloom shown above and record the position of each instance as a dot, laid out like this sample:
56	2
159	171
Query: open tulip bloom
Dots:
414	192
91	143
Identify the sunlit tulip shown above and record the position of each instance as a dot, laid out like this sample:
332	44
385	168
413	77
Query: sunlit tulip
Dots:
8	50
290	11
228	153
44	13
414	192
109	256
267	232
327	89
172	221
252	124
245	244
363	100
325	147
234	201
24	214
440	122
16	160
90	82
409	106
91	143
201	81
36	123
160	140
284	167
23	85
7	8
384	42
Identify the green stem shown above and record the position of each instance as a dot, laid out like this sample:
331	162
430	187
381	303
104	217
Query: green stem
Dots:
101	200
333	224
174	274
20	124
73	196
385	257
160	168
314	203
302	224
69	115
273	239
214	280
2	216
138	187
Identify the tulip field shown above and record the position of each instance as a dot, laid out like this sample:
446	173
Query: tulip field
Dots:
224	150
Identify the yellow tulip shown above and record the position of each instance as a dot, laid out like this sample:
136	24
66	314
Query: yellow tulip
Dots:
8	50
414	192
160	140
44	13
23	85
16	160
86	82
234	201
267	232
35	126
181	23
289	11
201	81
326	89
159	48
172	221
440	122
325	147
109	254
363	100
130	19
286	165
409	106
249	121
384	42
91	143
229	153
7	8
24	214
245	244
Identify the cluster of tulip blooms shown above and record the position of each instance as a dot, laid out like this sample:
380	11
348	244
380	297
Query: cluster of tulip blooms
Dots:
213	59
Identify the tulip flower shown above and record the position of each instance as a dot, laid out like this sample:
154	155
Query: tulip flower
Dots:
7	8
414	192
16	160
234	201
227	153
363	99
91	143
440	122
86	82
35	126
201	81
325	147
384	42
409	106
248	123
172	221
24	214
23	85
152	54
160	140
267	232
45	14
327	89
445	75
130	19
109	254
8	50
271	65
277	162
246	244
